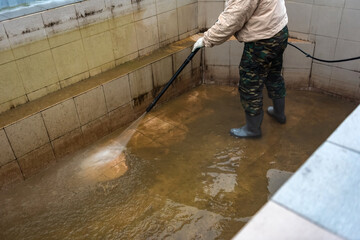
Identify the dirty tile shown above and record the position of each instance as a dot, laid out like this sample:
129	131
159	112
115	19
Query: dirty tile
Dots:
330	3
217	75
37	160
218	55
141	81
117	92
119	8
43	91
168	25
162	71
147	32
61	119
60	20
187	16
144	9
119	21
10	174
74	79
70	59
6	53
96	129
102	68
344	82
295	59
346	134
327	183
269	223
24	30
91	105
94	28
69	143
181	3
165	5
7	154
296	78
9	77
91	11
320	76
98	49
179	58
13	103
124	40
37	71
121	116
27	135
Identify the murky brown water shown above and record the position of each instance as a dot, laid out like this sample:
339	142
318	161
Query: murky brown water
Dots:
182	176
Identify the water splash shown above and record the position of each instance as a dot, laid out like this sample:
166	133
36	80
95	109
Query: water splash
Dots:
108	161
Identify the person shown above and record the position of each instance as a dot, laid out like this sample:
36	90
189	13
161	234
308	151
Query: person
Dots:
262	26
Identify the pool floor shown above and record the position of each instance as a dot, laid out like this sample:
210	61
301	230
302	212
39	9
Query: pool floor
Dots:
181	176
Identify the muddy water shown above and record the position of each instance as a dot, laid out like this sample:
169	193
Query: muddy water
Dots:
182	176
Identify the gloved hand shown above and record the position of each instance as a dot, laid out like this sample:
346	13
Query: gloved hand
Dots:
199	44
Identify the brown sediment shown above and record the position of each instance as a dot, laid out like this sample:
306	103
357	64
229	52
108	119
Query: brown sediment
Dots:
181	176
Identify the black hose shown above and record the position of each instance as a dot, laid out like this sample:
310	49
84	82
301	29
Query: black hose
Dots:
323	60
192	54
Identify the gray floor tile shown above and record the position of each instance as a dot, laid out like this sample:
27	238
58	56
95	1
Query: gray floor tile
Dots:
348	133
326	190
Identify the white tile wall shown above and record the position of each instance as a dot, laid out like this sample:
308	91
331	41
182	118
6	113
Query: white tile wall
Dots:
331	3
299	16
325	21
168	25
91	11
117	92
119	7
91	105
147	32
352	4
165	5
144	9
27	135
4	42
61	119
25	29
349	28
187	18
218	55
60	20
325	47
347	49
7	154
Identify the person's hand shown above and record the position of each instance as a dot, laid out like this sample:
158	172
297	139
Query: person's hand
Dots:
199	44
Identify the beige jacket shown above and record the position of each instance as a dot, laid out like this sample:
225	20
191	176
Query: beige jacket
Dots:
248	20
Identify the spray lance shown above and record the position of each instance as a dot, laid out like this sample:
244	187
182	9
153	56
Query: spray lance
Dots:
186	62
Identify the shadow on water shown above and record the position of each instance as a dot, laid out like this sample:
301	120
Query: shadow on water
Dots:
175	173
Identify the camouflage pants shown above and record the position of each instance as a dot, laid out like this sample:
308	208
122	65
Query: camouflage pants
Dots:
261	63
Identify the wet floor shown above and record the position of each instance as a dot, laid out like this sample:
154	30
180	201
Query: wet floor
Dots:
181	176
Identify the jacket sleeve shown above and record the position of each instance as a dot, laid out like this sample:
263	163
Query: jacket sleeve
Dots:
230	21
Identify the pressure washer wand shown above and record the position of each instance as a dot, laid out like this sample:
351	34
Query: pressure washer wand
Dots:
192	54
